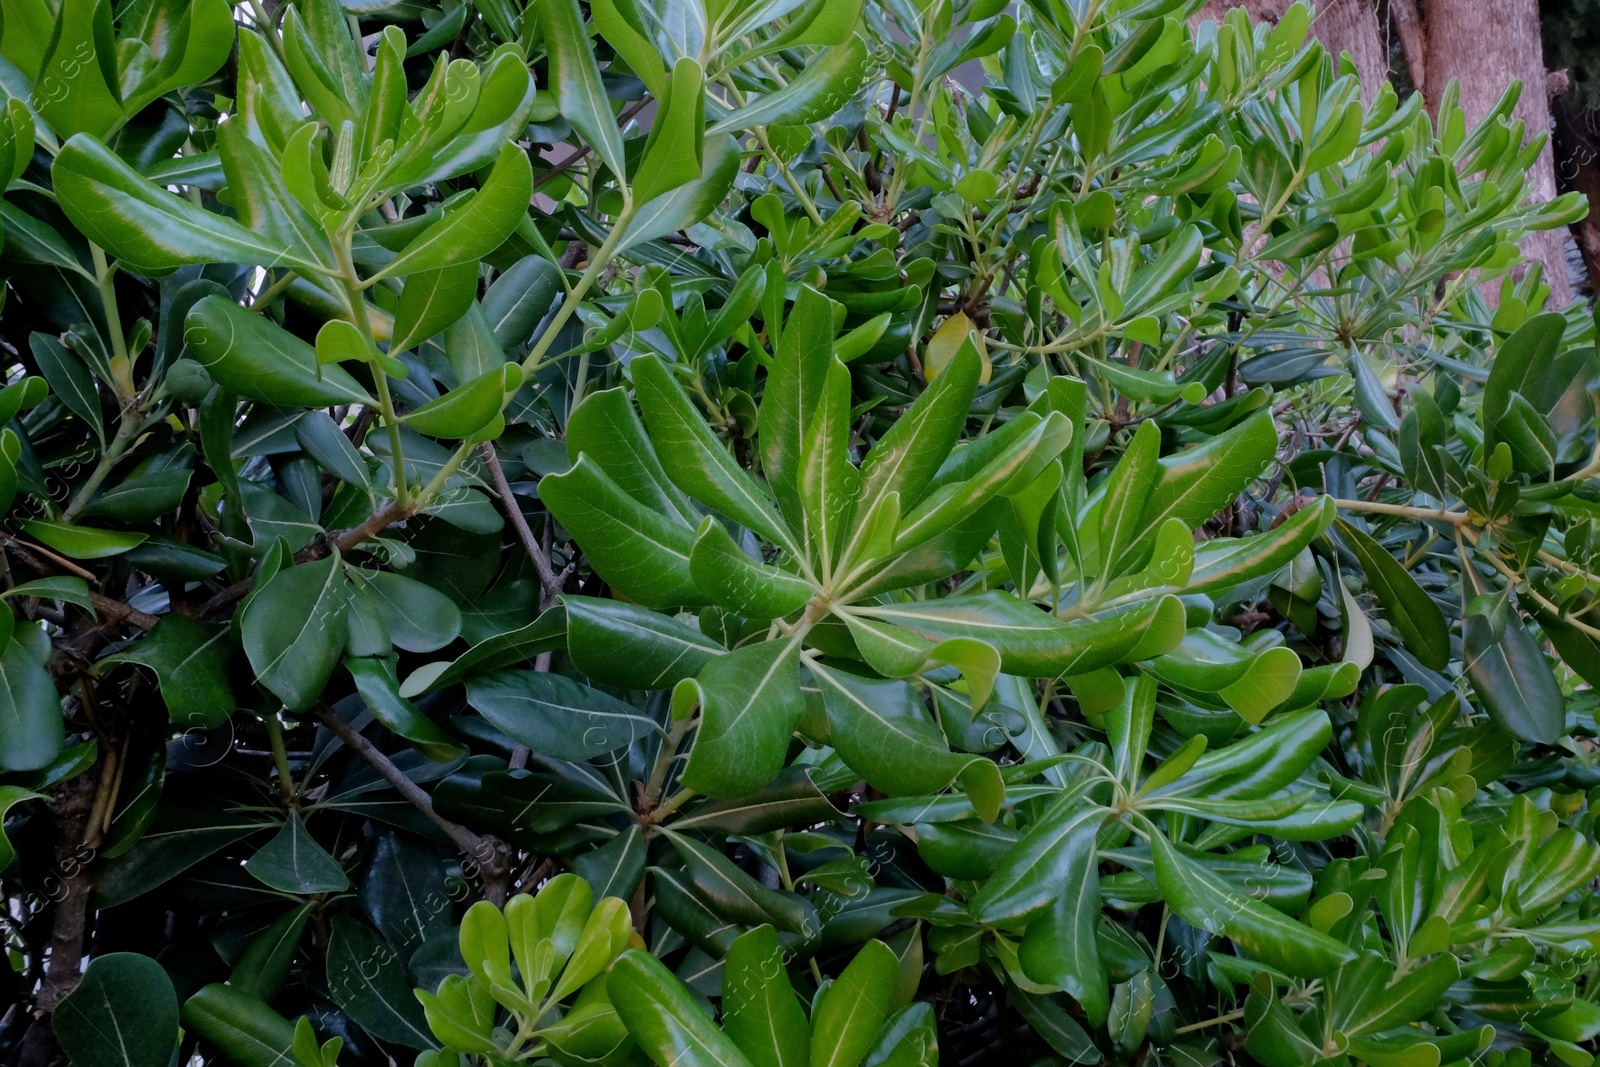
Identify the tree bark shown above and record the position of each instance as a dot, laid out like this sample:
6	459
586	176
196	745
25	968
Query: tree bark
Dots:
1577	146
1341	25
1485	46
1352	26
69	885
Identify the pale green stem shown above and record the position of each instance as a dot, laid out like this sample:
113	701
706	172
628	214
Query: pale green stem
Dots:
569	304
268	28
799	191
270	293
428	492
127	431
664	758
280	758
672	804
380	380
1459	518
121	365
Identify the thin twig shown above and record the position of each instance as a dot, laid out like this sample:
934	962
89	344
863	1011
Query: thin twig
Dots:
343	540
29	553
551	582
117	611
483	849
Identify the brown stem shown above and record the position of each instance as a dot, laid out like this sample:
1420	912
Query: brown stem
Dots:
343	540
1408	26
31	552
117	611
70	885
550	582
488	851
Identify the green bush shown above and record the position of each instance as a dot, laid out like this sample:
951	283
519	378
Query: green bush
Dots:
1098	567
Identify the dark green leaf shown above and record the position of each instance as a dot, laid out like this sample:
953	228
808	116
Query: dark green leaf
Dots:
1411	611
294	863
293	630
556	716
368	980
123	1013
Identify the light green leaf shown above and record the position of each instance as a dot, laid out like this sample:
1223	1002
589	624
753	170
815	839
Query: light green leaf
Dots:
642	554
677	136
760	1012
576	79
664	1018
147	228
853	1008
750	704
471	231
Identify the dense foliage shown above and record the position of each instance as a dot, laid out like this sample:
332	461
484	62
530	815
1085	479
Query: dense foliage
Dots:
681	531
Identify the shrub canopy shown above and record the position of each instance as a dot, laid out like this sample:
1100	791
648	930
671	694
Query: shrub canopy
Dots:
1031	529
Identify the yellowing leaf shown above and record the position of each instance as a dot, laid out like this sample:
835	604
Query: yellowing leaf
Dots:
946	342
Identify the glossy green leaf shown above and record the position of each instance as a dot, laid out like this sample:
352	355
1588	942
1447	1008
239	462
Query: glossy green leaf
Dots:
476	228
664	1018
293	630
294	862
906	458
241	1025
147	228
760	1012
853	1008
690	203
733	580
469	407
628	646
380	692
750	704
801	360
577	80
367	981
695	460
556	716
883	732
821	88
677	136
1509	674
1029	876
639	552
1411	611
249	355
1035	644
432	300
31	728
1210	902
191	661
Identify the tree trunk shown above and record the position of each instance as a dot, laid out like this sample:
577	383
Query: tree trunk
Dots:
1577	146
1352	26
1341	25
69	887
1485	46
